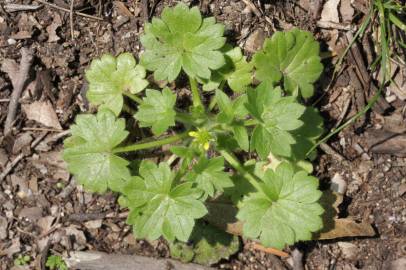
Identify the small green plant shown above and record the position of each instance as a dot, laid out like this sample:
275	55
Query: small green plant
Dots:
55	262
22	260
251	109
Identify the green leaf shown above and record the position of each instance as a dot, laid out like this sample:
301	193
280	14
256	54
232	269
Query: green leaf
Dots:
306	136
242	187
89	152
292	56
241	136
287	209
226	114
110	77
209	176
56	263
181	39
237	72
157	110
278	117
158	206
208	245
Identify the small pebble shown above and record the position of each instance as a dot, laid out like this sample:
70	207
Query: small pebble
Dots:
11	41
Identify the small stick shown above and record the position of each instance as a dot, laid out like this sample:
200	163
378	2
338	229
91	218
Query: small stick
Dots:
4	100
253	8
25	64
67	10
72	31
10	166
16	160
18	7
273	251
40	129
330	151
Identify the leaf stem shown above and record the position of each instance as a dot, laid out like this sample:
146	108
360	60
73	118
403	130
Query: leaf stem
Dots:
197	102
233	161
133	97
150	144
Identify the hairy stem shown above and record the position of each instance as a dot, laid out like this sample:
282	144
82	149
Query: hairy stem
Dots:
233	161
197	102
150	144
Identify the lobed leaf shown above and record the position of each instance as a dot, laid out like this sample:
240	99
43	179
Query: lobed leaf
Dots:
278	116
181	39
157	110
89	152
209	176
291	57
285	211
158	206
237	72
109	77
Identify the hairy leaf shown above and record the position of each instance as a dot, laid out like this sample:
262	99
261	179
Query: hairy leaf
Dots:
109	77
292	56
181	39
285	211
209	175
278	117
89	152
157	110
158	206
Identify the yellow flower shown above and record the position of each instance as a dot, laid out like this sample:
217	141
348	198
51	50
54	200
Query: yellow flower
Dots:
202	138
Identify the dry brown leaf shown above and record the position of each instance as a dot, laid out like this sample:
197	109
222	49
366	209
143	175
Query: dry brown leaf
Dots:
330	11
42	112
347	227
122	9
45	223
10	67
51	29
14	248
255	41
31	213
346	11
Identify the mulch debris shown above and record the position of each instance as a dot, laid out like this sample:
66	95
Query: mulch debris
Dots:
43	211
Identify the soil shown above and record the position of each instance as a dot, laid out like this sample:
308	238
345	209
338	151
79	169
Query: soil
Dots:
44	212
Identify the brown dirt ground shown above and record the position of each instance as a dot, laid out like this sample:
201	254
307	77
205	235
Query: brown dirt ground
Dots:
38	215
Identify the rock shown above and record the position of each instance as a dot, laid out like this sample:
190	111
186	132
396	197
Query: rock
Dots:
3	228
399	264
3	158
93	224
348	250
338	184
254	41
22	141
330	12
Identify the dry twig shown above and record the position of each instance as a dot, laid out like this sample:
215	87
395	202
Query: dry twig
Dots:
67	10
25	64
18	7
34	144
72	31
273	251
